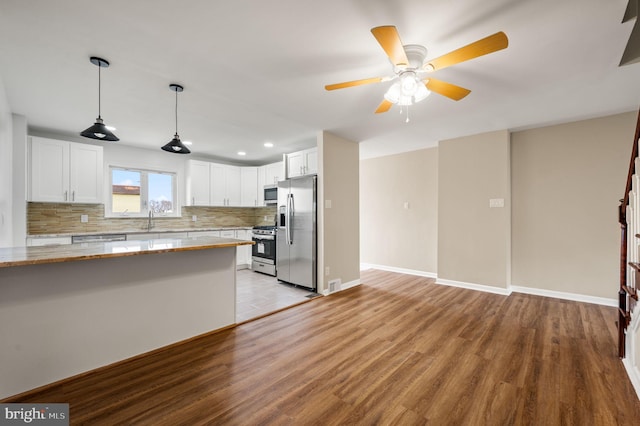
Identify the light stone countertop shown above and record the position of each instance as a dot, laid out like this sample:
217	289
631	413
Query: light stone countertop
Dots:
20	256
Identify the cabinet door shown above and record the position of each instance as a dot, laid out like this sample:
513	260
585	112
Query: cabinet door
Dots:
232	185
49	169
262	173
218	196
274	173
249	186
85	173
243	253
199	182
295	164
311	161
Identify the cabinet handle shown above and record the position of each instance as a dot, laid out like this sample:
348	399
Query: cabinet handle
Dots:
73	195
193	201
65	195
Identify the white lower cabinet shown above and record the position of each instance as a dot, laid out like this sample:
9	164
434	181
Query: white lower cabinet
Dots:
244	252
198	234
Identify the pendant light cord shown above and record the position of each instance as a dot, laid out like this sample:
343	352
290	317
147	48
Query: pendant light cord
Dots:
176	111
99	84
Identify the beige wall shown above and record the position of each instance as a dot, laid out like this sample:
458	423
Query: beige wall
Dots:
567	180
390	234
474	239
339	229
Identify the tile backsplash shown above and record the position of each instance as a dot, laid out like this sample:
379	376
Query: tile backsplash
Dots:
64	218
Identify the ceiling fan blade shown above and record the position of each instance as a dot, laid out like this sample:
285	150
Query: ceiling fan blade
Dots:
384	106
389	39
493	43
354	83
449	90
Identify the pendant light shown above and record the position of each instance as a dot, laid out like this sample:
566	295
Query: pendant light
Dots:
99	130
175	146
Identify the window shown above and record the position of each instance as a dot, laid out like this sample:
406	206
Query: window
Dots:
137	192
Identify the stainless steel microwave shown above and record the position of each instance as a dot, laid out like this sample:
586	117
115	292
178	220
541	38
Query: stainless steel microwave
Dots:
271	194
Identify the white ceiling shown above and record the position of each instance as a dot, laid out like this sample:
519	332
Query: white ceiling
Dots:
255	70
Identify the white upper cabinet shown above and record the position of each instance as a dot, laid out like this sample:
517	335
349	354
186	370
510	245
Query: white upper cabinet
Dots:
273	173
302	163
65	172
198	183
249	186
225	185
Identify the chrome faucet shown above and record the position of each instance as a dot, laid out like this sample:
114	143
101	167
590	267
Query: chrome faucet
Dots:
150	222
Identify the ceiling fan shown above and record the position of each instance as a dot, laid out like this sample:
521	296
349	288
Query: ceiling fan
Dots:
411	83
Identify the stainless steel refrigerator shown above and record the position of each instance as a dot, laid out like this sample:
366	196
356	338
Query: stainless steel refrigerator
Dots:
296	234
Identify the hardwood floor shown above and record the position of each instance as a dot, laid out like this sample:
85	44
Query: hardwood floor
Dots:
260	294
397	350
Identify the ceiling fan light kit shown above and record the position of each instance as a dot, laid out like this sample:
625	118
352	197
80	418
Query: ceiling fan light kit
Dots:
175	146
410	85
99	131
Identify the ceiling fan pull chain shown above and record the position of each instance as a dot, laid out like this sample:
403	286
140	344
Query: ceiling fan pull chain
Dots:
407	120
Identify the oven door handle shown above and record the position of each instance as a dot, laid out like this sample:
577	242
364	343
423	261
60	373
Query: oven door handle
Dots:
264	237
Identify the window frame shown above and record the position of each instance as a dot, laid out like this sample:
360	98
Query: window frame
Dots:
144	193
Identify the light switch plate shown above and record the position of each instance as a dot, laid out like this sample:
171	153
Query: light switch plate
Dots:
327	204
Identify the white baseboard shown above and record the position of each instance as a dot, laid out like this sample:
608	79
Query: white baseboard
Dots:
633	373
472	286
497	290
566	296
365	266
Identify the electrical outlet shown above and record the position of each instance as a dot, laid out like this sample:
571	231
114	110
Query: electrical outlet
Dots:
266	218
496	202
84	218
327	271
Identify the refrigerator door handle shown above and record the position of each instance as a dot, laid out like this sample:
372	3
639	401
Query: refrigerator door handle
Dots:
290	214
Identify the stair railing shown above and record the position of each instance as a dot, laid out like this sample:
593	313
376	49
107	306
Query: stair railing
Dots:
629	218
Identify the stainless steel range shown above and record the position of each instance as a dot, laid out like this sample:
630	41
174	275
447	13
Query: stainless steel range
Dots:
263	251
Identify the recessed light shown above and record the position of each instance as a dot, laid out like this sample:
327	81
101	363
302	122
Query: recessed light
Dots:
187	142
268	144
242	153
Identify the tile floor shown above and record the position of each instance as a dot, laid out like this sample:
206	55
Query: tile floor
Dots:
258	294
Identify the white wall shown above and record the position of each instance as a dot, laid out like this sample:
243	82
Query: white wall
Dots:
339	229
6	171
393	236
19	196
473	238
567	183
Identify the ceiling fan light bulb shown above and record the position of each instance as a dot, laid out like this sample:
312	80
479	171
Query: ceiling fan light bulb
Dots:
393	93
421	93
405	100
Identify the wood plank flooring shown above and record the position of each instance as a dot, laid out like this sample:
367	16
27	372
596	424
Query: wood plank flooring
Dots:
397	350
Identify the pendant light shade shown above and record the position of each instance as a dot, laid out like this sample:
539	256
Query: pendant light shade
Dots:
99	130
175	146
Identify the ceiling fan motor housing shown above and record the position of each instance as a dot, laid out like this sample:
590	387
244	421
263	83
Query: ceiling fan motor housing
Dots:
415	54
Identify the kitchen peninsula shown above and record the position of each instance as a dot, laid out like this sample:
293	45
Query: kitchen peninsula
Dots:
68	309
